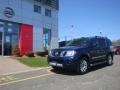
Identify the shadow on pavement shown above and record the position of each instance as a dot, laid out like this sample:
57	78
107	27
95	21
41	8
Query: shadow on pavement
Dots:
92	69
65	72
73	73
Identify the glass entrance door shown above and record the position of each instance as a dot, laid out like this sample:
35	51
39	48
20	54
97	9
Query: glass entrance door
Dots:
0	43
7	45
9	36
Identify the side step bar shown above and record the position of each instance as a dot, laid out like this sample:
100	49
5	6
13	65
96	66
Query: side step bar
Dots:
94	64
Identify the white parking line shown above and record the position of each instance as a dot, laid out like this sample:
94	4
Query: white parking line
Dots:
12	82
24	71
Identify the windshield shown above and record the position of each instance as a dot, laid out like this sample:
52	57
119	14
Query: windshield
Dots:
79	42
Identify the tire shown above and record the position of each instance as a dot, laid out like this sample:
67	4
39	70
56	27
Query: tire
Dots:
110	60
82	66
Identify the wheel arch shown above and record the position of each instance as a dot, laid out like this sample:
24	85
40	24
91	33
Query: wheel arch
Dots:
86	56
110	53
78	69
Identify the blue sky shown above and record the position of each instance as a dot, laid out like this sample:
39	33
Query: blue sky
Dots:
89	17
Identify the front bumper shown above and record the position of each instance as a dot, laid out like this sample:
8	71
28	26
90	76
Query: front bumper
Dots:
62	62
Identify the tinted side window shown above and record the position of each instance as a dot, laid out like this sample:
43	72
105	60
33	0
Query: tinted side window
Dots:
109	43
37	8
102	43
48	12
95	43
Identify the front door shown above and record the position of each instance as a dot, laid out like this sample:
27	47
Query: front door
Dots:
103	49
95	50
0	43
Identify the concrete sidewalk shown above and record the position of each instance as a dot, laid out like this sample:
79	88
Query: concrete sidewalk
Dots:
8	65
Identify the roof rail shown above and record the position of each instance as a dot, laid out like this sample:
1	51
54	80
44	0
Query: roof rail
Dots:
100	37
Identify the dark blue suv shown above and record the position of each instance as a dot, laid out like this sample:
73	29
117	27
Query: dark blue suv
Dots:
81	54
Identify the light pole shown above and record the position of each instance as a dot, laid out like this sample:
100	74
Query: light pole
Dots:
71	32
101	34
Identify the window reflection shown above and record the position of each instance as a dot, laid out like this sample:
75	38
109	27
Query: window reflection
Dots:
46	38
11	35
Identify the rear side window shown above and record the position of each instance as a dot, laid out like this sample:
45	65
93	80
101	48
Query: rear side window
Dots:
95	43
109	43
102	43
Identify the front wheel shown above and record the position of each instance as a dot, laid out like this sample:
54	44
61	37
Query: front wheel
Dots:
110	60
82	67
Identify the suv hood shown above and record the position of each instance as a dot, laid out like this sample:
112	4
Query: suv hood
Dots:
65	49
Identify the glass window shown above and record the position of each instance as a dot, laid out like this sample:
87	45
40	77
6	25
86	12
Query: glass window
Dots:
7	39
48	2
9	30
102	42
0	36
0	43
46	38
79	42
14	40
1	29
10	24
48	12
11	36
37	8
95	43
1	23
109	43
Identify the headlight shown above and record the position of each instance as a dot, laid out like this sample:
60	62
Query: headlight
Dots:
50	52
70	53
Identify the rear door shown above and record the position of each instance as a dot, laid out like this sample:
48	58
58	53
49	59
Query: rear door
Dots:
103	49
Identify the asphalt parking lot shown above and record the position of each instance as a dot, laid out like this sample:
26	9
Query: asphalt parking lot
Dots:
99	78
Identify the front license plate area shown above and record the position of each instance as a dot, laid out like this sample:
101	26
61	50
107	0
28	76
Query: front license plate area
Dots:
53	63
56	64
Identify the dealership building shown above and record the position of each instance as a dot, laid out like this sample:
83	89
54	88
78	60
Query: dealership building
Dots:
30	25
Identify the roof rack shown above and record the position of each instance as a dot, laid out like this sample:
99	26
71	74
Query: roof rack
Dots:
100	37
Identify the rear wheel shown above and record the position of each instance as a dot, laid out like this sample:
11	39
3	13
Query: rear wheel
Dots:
110	60
82	67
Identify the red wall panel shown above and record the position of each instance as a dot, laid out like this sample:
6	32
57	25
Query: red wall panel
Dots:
26	39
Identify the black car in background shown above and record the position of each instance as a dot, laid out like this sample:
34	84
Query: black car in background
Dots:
81	54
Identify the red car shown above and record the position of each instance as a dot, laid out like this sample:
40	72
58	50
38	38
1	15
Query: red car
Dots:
116	50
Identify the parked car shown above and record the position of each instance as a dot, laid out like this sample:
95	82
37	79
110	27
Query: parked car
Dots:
81	54
116	50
